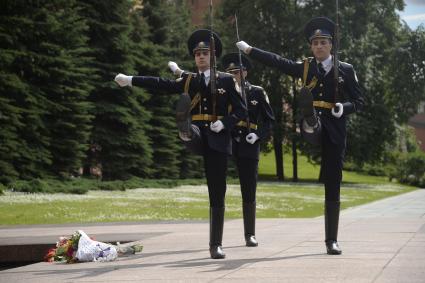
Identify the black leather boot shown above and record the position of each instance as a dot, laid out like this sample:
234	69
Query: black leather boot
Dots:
248	211
216	232
331	227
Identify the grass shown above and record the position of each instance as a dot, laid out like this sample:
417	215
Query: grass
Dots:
187	202
274	200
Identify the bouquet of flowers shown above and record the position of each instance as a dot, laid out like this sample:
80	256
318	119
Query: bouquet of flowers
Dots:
80	247
65	249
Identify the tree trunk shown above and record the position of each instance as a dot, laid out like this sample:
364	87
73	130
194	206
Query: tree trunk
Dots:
294	134
294	161
278	151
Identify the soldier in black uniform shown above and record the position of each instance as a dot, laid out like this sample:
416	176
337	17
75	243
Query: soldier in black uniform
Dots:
324	115
204	121
246	141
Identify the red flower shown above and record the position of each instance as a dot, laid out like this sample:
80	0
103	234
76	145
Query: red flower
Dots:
50	256
65	249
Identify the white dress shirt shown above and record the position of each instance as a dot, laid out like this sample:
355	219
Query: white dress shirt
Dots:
207	76
327	64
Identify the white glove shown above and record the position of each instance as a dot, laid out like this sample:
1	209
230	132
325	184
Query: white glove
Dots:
217	126
245	47
123	80
252	138
174	68
340	110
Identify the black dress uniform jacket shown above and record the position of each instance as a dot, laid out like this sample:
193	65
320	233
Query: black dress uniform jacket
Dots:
227	98
324	89
260	116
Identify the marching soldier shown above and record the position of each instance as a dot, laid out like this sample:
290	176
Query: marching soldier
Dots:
246	143
324	115
204	121
246	140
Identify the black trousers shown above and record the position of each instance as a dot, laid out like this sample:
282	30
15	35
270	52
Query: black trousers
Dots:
215	165
332	159
248	175
331	167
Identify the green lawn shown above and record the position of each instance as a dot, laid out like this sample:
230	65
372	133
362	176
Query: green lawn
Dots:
181	203
274	200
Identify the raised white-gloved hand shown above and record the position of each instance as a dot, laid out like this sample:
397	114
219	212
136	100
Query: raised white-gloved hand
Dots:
217	126
123	80
252	138
245	47
340	110
174	68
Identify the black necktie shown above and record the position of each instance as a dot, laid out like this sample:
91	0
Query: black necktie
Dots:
321	69
202	81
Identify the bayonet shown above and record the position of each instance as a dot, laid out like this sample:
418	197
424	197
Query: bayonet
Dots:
336	56
243	83
213	63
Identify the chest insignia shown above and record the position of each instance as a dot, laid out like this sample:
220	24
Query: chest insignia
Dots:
254	102
221	91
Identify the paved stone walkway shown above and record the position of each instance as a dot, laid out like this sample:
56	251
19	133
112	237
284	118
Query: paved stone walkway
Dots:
382	242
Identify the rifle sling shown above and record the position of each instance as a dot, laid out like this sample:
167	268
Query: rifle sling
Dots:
197	97
313	81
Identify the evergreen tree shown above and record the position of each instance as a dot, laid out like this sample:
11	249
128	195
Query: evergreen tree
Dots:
43	88
119	141
24	148
10	117
11	87
163	131
65	82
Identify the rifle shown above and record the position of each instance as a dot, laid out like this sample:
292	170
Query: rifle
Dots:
213	63
336	57
242	77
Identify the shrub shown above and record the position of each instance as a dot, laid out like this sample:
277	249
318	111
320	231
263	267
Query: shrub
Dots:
112	186
411	169
83	185
77	190
31	186
375	170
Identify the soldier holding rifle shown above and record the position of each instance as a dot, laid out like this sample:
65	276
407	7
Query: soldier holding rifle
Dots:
330	93
204	120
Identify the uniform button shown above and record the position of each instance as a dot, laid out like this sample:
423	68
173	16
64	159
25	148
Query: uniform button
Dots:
320	112
205	108
205	99
321	84
240	132
206	125
320	94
